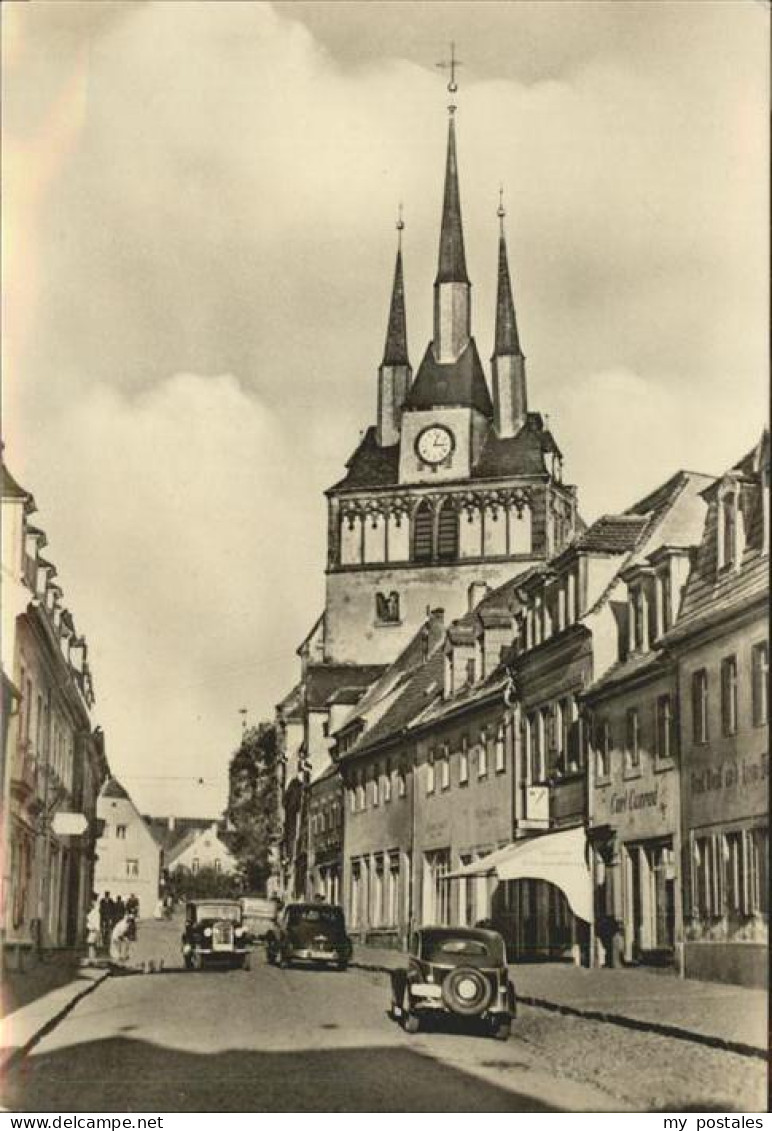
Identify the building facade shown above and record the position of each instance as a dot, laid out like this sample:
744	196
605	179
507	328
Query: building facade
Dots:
54	760
128	855
720	645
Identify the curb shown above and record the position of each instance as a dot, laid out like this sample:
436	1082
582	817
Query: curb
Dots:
17	1054
659	1027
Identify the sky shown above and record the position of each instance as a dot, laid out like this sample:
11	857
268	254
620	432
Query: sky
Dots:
198	247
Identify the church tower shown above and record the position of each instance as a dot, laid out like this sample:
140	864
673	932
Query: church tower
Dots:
450	491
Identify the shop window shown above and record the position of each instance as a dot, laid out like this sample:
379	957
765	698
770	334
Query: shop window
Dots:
632	743
729	695
664	728
706	878
760	683
757	842
735	874
463	762
700	707
392	895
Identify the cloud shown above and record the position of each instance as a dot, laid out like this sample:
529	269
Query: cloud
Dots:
222	204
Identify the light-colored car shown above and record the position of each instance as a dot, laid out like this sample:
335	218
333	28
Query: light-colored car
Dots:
260	916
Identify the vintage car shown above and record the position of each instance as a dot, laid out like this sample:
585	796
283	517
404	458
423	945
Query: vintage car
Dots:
309	932
455	970
260	916
214	932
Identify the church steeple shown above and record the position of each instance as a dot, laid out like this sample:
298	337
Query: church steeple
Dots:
509	387
452	290
394	374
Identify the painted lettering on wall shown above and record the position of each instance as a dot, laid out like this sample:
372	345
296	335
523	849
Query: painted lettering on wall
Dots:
731	775
633	799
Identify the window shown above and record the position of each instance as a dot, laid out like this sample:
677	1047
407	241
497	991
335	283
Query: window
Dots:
470	670
603	749
760	683
445	771
362	792
734	873
447	532
375	785
728	532
132	869
667	598
463	762
706	882
758	870
195	865
401	782
482	755
423	531
387	783
664	729
218	865
392	897
500	752
352	797
430	774
120	832
632	745
700	707
536	727
729	695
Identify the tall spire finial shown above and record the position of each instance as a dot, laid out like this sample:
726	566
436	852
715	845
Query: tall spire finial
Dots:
450	65
400	225
501	210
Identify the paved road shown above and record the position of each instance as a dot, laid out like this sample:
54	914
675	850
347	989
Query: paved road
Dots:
312	1040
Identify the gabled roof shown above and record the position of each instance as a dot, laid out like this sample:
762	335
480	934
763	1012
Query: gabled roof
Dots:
521	454
113	789
168	838
459	383
187	841
371	465
322	680
10	488
291	706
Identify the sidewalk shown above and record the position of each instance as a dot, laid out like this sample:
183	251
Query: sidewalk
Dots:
723	1016
25	1026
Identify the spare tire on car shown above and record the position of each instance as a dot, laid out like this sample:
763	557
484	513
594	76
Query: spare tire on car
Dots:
466	991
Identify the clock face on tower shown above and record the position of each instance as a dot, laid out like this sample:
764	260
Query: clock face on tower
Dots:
434	444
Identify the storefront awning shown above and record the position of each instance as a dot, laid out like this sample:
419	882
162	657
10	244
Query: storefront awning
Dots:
558	858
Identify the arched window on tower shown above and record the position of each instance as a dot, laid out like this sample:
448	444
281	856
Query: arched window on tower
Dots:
447	532
423	530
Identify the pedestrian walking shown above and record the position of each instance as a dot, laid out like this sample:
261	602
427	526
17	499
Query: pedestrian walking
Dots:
123	935
93	929
120	910
106	913
132	906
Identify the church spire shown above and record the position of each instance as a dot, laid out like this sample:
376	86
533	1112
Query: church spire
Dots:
395	350
452	290
451	267
394	374
510	404
507	340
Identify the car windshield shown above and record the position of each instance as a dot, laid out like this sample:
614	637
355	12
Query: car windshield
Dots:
229	911
454	950
259	908
314	915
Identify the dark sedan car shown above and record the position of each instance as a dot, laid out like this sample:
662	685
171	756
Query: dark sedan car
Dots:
214	932
457	970
309	932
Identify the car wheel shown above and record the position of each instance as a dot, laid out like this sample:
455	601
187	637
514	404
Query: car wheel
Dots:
411	1023
188	960
342	966
283	961
198	961
502	1029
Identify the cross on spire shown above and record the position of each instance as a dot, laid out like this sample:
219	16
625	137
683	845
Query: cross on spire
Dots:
400	225
450	65
501	210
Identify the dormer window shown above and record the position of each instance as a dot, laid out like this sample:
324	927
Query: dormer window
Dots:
470	670
729	526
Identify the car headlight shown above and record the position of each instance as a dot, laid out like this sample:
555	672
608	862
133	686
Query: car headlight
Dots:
207	932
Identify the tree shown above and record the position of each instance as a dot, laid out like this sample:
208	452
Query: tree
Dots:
206	883
253	813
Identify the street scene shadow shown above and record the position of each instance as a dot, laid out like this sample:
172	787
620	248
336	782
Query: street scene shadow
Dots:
139	1076
22	987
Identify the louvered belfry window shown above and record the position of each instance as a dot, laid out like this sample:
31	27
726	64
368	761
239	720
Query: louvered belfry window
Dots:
447	533
422	533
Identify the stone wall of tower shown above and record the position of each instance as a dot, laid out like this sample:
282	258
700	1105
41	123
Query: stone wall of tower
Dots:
509	394
452	320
